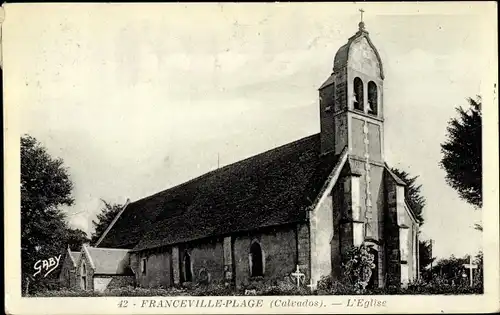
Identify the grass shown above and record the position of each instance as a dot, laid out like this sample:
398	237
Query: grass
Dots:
326	286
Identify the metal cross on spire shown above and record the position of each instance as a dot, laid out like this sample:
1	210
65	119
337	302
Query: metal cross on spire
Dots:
361	23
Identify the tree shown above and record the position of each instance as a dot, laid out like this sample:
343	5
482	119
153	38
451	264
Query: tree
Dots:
478	279
108	213
462	153
450	269
45	187
413	195
453	270
425	254
75	238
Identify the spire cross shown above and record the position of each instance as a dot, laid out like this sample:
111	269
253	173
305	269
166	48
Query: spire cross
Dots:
361	11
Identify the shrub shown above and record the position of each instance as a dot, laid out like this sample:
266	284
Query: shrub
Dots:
276	286
357	266
285	286
329	286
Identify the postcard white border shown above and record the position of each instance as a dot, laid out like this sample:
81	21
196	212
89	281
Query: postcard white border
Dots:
488	302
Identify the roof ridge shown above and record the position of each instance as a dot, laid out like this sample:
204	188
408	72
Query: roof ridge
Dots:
109	248
86	251
281	147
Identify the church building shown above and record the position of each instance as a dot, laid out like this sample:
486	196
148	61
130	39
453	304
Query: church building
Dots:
301	204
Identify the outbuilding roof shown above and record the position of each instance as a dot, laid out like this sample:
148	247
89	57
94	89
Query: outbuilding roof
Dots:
109	261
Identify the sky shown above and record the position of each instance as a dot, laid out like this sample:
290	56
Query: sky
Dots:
138	100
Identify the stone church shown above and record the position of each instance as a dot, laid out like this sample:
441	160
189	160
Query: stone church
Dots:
302	204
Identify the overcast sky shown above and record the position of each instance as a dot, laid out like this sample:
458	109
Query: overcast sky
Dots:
136	101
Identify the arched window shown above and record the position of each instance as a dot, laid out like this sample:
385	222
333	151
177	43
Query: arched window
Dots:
372	98
358	94
143	265
84	277
256	261
188	275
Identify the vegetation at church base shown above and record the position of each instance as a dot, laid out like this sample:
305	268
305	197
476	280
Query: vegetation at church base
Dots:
436	286
447	277
326	286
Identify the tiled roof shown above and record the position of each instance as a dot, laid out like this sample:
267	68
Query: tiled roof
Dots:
75	256
269	189
109	261
329	81
341	56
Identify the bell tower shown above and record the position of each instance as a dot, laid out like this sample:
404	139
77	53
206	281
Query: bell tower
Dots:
351	100
352	116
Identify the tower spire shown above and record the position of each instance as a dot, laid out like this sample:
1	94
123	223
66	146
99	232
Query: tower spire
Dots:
361	23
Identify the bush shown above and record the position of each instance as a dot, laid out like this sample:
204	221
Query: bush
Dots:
357	266
276	286
329	286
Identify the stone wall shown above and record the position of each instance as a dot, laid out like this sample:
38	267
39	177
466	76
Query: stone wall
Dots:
376	187
357	140
410	258
391	234
121	282
89	272
326	108
158	271
209	256
341	133
341	91
321	229
206	257
375	141
279	249
304	249
337	199
67	277
165	266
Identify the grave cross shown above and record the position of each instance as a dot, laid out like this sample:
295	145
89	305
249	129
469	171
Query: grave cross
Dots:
471	267
297	274
311	285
